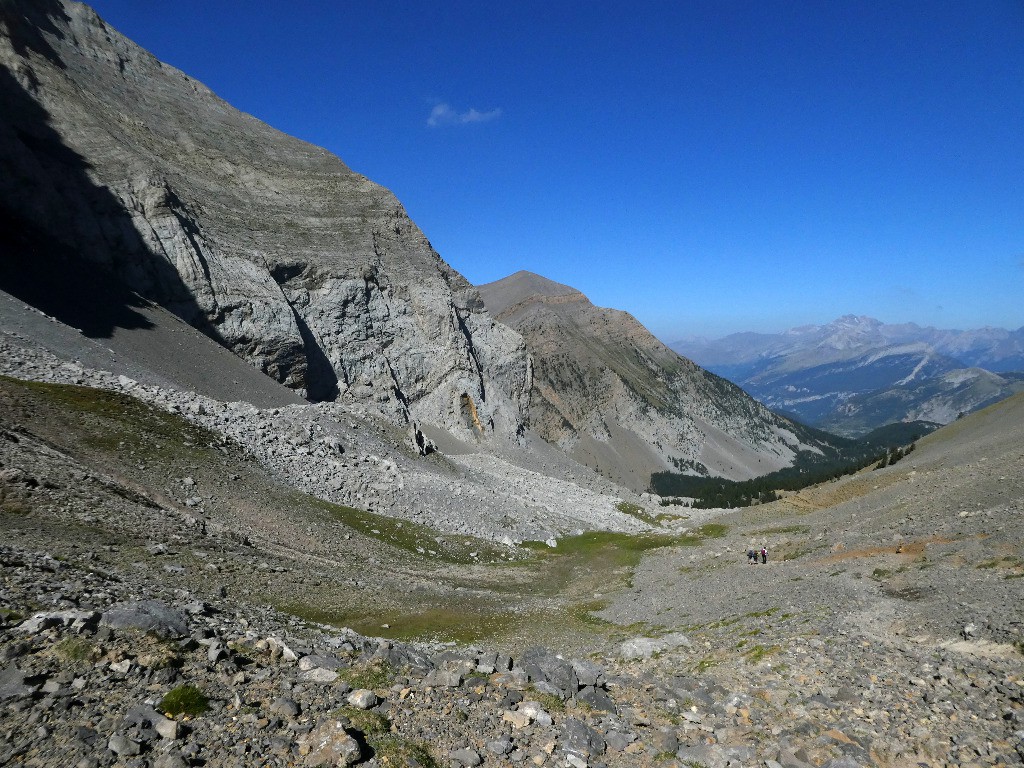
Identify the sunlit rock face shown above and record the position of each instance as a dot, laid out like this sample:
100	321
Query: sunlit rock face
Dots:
272	246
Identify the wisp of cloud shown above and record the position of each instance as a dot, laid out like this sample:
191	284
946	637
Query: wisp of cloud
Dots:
442	114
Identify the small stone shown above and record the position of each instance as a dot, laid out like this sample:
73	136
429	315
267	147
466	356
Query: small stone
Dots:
318	675
536	713
13	683
466	757
596	698
120	744
167	728
665	741
329	744
499	747
170	760
517	719
362	698
284	707
147	616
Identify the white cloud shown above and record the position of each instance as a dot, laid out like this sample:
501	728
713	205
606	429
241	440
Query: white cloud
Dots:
442	114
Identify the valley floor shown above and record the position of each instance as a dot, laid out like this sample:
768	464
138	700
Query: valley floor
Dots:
886	628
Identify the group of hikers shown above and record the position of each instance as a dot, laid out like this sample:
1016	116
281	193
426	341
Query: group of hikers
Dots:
752	555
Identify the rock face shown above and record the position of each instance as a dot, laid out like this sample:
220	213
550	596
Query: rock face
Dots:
617	399
272	246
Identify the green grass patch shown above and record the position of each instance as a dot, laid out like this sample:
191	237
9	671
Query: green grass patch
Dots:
449	622
1007	561
415	538
369	676
371	724
76	649
548	701
584	613
705	664
14	507
758	652
782	530
713	531
642	513
392	750
795	554
117	423
635	510
185	700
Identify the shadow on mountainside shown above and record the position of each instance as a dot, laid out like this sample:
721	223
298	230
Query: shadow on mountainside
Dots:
61	232
26	22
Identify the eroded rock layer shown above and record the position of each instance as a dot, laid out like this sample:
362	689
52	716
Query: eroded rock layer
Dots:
272	246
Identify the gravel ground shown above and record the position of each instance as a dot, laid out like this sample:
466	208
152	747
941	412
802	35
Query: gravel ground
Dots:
885	629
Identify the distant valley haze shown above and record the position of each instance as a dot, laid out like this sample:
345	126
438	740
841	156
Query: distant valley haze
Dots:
710	170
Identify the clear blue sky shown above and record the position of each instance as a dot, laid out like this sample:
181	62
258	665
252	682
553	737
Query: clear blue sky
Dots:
708	165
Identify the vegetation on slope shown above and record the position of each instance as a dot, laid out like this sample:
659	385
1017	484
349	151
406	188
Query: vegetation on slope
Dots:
809	468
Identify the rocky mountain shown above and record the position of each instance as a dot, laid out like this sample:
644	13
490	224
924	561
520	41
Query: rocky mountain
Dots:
616	399
198	567
128	189
857	374
940	399
121	174
994	349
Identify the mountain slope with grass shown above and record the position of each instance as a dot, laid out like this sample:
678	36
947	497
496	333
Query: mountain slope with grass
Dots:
144	580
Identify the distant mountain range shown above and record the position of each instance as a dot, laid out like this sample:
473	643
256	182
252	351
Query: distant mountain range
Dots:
857	373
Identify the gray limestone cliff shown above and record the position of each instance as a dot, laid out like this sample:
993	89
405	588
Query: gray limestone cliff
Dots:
270	245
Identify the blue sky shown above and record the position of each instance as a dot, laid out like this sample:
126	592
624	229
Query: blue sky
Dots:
708	166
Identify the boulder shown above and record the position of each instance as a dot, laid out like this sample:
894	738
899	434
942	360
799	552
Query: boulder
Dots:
147	616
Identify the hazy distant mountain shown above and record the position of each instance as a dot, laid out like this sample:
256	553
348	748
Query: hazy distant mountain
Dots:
615	398
939	399
858	373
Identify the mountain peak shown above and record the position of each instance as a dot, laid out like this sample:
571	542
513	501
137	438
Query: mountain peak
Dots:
856	321
520	286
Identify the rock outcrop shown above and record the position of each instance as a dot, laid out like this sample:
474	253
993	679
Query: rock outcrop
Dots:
309	271
618	400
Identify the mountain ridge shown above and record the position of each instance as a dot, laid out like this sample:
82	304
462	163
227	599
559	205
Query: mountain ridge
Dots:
619	400
857	373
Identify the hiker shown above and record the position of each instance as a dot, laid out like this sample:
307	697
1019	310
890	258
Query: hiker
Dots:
764	555
751	557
